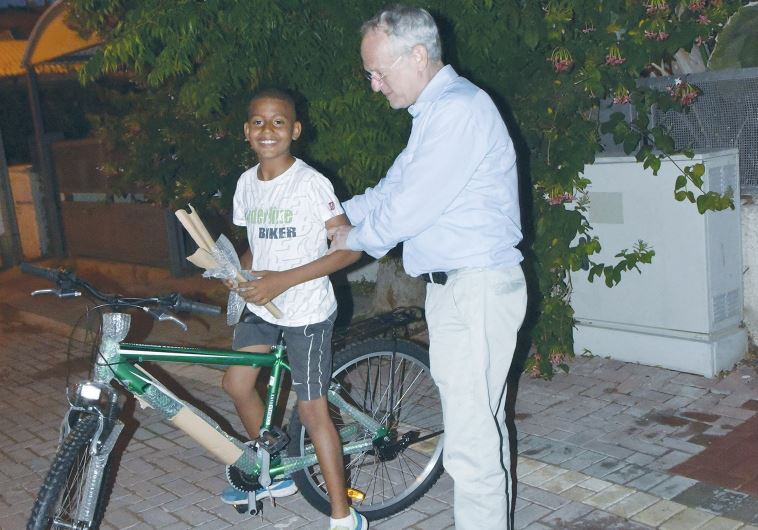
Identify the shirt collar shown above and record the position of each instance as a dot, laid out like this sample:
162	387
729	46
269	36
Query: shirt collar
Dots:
433	89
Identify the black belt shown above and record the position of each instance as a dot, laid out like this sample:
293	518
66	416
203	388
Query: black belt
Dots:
439	278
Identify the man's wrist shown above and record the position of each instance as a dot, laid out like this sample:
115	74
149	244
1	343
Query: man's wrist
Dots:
351	241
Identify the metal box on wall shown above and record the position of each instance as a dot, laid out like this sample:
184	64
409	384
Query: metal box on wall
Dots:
684	311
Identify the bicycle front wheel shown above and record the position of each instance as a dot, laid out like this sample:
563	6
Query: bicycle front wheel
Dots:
64	500
389	380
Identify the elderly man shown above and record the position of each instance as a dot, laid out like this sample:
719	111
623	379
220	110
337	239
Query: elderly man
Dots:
451	197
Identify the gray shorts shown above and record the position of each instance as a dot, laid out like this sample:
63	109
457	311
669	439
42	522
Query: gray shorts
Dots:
309	350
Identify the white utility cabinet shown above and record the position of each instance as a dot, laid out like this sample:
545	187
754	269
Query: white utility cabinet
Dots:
684	312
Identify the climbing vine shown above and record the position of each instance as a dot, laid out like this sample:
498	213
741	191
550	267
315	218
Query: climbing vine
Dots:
551	67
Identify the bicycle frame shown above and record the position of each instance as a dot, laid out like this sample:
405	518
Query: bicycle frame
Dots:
119	360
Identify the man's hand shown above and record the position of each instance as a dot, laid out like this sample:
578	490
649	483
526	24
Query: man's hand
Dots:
338	235
267	286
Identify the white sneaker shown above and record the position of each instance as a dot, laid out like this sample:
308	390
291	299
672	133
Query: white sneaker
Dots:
359	522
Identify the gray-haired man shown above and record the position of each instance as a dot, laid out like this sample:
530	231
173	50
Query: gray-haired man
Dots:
452	197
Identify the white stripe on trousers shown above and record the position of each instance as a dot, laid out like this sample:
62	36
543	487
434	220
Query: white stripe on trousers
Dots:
308	366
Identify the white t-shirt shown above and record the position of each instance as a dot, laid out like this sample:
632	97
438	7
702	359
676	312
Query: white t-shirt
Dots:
285	220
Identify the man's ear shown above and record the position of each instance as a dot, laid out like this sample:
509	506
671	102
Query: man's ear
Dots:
420	54
297	128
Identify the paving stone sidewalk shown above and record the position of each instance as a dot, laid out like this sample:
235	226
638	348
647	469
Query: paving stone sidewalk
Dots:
596	448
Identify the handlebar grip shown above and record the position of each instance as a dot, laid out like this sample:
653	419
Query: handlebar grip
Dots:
190	306
43	272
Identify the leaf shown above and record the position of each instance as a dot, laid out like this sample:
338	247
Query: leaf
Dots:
702	204
531	37
698	170
631	141
655	163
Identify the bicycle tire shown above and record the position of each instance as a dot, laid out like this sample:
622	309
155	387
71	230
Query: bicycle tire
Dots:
363	372
61	492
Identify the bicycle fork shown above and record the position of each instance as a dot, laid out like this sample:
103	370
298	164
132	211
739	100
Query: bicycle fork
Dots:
102	401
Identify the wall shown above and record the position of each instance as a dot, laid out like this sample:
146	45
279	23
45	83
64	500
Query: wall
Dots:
27	202
750	267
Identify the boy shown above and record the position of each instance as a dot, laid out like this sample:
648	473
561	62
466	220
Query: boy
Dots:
287	208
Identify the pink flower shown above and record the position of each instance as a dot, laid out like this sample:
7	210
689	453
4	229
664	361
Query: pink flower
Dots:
588	28
562	66
658	35
654	7
688	99
703	19
696	5
614	56
559	198
699	40
621	96
684	92
561	59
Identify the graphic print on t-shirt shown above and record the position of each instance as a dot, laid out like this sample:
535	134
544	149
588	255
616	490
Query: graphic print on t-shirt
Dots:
272	216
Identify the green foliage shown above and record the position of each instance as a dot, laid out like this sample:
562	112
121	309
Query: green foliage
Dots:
550	65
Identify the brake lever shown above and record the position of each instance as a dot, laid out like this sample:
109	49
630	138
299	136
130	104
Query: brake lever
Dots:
60	293
162	316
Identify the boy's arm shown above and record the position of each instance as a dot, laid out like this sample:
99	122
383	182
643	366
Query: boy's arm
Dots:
271	284
246	260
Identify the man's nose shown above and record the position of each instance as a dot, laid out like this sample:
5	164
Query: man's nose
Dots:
376	84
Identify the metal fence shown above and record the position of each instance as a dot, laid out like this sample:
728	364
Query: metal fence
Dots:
725	115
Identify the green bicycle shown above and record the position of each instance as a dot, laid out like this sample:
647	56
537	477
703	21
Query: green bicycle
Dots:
382	400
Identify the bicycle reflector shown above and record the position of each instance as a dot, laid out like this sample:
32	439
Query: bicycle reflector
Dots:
355	495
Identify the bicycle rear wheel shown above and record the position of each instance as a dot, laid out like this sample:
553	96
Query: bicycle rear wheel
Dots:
389	380
63	499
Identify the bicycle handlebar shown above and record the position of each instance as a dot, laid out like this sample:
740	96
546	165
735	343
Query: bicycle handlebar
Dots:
42	272
191	306
67	281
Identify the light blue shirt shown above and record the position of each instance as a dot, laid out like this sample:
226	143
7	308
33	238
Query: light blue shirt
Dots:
452	194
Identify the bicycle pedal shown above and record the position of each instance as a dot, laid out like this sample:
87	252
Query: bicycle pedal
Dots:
273	440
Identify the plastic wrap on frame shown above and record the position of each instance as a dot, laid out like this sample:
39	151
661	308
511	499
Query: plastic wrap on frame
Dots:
115	328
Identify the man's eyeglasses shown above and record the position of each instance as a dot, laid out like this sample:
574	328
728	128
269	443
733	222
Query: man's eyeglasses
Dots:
379	78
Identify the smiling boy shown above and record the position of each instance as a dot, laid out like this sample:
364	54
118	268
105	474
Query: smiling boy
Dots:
287	208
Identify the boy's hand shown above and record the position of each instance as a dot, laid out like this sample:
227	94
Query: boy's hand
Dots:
268	286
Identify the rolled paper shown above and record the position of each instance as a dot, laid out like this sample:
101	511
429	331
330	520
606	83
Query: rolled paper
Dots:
209	241
203	256
203	259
